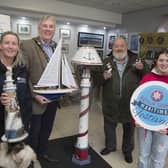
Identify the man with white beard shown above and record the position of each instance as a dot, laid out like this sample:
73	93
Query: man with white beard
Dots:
122	72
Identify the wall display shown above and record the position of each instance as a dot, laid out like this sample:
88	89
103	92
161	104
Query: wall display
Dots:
151	44
134	42
64	33
65	48
149	105
154	40
24	29
150	39
111	41
90	39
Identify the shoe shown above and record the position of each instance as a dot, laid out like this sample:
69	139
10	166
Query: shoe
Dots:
128	157
47	158
106	151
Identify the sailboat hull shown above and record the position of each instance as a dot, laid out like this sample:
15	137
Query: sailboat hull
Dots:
54	91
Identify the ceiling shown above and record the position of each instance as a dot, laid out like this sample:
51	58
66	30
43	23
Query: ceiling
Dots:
119	6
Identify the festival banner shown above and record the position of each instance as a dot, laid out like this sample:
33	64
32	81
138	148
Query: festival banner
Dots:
149	105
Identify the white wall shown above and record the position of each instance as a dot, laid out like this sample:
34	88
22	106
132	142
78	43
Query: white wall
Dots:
145	20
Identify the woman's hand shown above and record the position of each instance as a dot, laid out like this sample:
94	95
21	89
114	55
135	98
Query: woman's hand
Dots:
5	99
164	131
138	125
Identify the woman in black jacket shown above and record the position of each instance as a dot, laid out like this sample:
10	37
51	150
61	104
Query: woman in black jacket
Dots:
10	56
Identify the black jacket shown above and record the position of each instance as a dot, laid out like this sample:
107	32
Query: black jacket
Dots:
20	77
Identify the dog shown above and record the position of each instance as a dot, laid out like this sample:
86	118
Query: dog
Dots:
17	155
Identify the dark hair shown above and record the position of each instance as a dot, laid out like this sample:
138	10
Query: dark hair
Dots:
163	51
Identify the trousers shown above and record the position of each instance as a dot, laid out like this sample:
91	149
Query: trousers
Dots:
127	137
41	127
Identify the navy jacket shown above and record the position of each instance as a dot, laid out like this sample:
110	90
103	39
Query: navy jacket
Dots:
20	77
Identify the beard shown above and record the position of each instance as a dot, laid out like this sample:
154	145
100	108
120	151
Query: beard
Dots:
120	55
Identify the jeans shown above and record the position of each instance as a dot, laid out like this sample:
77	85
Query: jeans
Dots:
153	148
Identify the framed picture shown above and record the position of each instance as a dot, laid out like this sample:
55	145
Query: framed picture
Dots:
111	41
24	29
134	42
65	48
100	52
90	39
64	33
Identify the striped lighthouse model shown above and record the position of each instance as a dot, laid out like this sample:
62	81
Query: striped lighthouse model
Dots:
87	57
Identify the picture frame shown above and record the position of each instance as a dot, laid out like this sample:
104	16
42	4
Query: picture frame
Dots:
134	42
65	48
24	29
111	41
65	33
90	39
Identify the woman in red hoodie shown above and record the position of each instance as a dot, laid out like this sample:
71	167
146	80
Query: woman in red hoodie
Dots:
153	145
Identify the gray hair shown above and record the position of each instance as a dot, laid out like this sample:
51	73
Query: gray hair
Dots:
46	17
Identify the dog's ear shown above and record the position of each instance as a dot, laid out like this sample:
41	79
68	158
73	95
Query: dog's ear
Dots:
15	148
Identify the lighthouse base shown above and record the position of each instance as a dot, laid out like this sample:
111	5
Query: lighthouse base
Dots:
81	157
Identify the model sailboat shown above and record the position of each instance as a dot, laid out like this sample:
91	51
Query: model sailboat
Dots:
57	78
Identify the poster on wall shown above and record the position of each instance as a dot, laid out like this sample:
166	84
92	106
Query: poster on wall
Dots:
5	23
90	39
134	42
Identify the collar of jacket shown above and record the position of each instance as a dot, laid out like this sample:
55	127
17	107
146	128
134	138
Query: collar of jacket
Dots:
39	43
131	60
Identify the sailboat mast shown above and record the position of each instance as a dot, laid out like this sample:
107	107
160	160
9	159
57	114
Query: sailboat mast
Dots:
60	71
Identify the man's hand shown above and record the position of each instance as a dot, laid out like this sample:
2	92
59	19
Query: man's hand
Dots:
42	100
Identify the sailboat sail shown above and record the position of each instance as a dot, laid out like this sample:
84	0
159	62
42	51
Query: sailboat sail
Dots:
67	77
51	74
56	73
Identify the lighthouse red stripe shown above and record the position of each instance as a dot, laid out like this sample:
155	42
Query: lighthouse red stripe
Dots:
83	134
84	112
84	97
